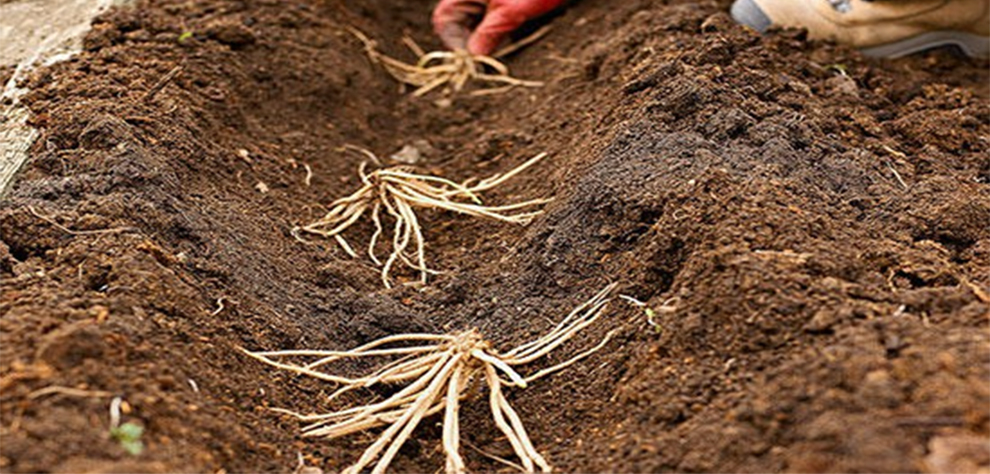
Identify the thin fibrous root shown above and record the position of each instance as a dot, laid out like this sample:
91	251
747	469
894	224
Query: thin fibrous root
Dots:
449	69
436	373
396	192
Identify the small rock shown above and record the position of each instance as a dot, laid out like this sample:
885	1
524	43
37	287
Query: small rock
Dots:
842	86
244	155
409	155
413	153
261	187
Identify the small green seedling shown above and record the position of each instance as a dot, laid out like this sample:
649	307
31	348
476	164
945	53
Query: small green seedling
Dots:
129	436
650	314
185	36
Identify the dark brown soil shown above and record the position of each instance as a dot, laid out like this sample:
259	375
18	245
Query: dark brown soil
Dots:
818	220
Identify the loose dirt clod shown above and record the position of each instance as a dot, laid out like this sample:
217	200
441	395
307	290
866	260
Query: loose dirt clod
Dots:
398	190
452	69
438	372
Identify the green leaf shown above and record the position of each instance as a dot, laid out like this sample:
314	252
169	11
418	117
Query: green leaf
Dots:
127	432
133	448
129	436
185	36
650	314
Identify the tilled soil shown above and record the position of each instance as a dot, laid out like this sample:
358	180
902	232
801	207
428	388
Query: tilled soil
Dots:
809	228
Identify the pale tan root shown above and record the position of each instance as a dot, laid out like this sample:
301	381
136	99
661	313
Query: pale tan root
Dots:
399	191
449	69
438	371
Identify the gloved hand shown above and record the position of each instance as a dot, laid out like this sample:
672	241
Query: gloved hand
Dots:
454	21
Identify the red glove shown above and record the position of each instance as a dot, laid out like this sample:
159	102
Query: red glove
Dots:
453	21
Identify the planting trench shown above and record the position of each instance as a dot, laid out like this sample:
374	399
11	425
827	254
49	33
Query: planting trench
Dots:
817	222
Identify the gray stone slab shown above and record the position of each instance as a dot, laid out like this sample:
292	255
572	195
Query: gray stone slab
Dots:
34	33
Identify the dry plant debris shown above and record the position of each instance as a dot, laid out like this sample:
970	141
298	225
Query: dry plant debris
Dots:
398	190
438	371
452	69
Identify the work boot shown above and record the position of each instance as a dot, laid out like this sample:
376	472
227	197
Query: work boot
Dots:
882	28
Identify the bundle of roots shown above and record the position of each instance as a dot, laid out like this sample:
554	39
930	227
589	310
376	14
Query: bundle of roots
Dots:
398	191
449	69
438	371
